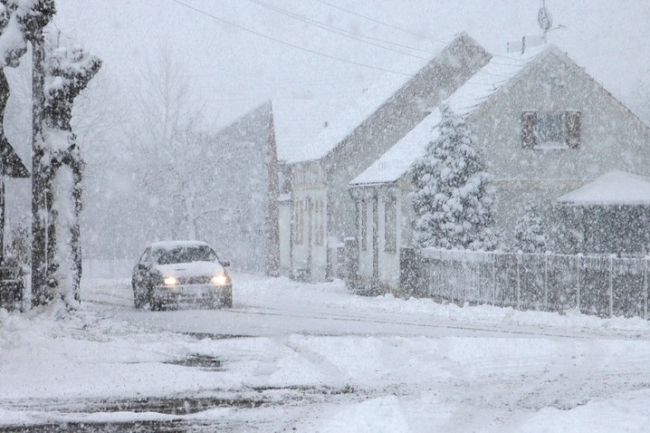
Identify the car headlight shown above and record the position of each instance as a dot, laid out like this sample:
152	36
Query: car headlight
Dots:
170	281
219	280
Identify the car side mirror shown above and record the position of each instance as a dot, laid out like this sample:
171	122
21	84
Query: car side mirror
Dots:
225	264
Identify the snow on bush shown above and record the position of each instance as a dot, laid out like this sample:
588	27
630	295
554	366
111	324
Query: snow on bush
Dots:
530	236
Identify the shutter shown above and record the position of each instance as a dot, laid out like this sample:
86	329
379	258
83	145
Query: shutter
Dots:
573	126
528	123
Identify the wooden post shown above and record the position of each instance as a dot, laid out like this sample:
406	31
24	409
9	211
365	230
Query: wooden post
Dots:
352	265
518	263
645	287
546	281
494	279
611	286
578	256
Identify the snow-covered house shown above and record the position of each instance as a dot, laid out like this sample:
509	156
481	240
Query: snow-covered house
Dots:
544	128
242	221
316	213
239	221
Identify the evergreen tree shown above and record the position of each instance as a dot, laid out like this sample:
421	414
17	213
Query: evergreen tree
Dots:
452	199
529	232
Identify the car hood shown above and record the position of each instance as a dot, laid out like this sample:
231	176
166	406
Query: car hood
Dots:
188	270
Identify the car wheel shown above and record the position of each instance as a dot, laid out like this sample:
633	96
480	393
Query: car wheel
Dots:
154	303
226	301
138	298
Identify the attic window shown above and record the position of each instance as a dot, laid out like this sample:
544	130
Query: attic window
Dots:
550	130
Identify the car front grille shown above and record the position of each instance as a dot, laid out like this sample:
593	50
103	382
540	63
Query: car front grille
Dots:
195	280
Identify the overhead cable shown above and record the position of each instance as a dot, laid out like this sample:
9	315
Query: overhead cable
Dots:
271	38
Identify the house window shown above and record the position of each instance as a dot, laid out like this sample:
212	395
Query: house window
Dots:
390	226
319	226
363	225
551	130
298	222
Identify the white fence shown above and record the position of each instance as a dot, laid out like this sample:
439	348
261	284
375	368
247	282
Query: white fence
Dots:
600	285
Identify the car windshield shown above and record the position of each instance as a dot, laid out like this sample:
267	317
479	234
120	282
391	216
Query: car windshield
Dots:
184	254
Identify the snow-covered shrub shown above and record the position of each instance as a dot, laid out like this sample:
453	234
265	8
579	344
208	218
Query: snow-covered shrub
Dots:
530	235
452	198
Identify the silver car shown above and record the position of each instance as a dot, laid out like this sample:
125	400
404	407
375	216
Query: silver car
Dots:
172	273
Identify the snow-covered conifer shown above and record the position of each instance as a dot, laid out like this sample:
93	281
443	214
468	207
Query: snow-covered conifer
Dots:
529	232
452	198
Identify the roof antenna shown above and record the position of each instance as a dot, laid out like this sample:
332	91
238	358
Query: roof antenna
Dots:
544	20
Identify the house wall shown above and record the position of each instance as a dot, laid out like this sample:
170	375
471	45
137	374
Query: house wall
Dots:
309	222
285	216
391	122
376	261
237	221
388	259
611	138
366	236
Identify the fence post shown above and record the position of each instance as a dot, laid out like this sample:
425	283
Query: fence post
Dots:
645	287
611	286
578	257
494	279
518	261
410	268
351	251
546	281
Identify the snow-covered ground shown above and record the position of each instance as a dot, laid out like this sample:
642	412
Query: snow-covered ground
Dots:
313	357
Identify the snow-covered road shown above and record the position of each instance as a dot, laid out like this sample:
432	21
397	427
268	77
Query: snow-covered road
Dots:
273	307
316	358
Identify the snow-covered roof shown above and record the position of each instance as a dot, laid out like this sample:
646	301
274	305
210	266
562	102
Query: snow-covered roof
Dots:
498	72
613	188
296	119
399	158
492	77
369	101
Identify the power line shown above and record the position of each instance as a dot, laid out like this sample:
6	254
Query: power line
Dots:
271	38
419	35
344	32
380	22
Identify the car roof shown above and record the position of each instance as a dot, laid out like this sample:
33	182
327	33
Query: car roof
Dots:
169	245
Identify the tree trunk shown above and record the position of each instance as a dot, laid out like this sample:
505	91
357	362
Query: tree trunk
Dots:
4	97
41	293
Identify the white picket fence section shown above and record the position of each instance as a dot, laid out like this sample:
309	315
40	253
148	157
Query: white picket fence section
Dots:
605	286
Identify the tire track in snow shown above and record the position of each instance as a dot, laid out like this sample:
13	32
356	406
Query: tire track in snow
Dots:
498	398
